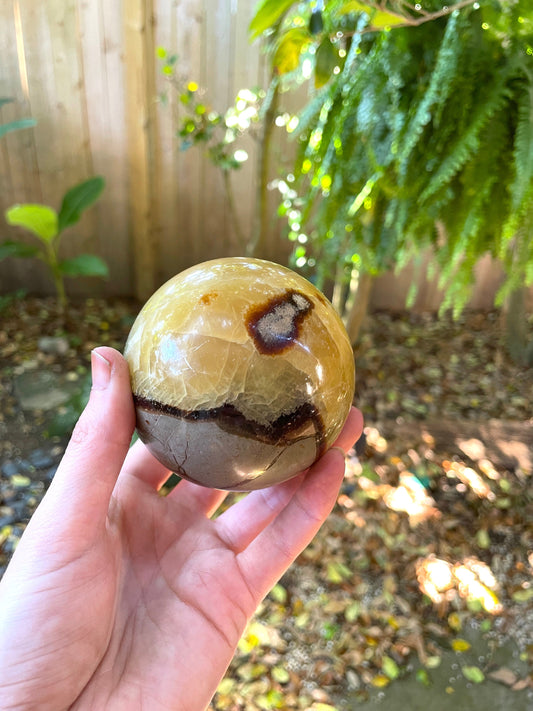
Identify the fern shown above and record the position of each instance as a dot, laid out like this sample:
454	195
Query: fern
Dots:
422	127
523	145
441	81
467	144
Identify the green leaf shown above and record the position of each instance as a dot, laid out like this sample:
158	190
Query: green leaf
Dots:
460	645
17	249
326	59
378	18
473	674
279	594
337	572
352	6
352	611
16	126
287	54
369	473
423	677
390	668
523	145
330	630
280	674
483	538
268	13
523	595
226	686
433	662
41	220
84	265
382	19
78	199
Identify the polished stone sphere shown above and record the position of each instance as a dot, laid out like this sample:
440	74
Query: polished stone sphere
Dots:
242	373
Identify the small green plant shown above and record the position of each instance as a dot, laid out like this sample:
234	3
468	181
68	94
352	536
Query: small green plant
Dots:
17	125
252	114
48	225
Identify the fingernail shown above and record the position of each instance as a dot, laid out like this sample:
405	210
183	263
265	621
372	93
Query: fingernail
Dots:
100	371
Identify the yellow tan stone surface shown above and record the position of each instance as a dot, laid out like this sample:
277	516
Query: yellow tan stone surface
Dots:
249	335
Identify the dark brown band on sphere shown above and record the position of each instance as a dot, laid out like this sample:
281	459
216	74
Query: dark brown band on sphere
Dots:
231	420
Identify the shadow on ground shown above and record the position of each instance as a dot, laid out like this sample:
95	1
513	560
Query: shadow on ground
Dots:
447	689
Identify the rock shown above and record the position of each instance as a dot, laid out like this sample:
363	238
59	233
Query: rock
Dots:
41	459
12	539
353	680
54	345
9	495
20	509
50	473
42	390
7	516
11	467
20	481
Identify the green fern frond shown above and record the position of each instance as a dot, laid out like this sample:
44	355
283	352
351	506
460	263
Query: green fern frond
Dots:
309	116
523	145
468	143
446	67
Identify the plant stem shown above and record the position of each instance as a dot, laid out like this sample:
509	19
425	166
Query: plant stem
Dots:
515	325
257	245
358	311
55	269
409	21
233	210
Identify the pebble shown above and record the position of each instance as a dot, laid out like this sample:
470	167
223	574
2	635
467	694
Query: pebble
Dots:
41	459
7	516
54	345
20	481
353	680
50	473
12	467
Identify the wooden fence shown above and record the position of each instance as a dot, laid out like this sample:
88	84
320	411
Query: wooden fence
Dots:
87	71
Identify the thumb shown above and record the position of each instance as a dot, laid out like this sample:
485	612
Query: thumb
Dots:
85	479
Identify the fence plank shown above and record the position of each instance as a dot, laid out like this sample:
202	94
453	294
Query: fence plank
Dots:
101	39
216	76
179	31
17	159
139	53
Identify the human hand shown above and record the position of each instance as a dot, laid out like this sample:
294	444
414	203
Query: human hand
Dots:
120	598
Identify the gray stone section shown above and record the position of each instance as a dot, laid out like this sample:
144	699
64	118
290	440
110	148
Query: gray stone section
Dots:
208	455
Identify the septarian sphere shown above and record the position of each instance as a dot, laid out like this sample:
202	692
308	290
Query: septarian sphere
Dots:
242	374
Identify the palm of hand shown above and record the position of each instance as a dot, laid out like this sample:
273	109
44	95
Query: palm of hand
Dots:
181	595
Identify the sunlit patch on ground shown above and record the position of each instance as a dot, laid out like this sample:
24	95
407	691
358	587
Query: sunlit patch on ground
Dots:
471	579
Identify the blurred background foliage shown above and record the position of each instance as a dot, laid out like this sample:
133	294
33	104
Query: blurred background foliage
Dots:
413	134
418	133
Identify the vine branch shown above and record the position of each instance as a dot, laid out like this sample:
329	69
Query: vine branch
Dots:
409	21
